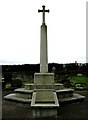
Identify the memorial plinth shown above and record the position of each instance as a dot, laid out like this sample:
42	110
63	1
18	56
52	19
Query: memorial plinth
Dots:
44	100
44	78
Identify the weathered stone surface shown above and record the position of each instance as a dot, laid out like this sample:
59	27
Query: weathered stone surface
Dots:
29	86
43	86
13	97
74	98
56	86
63	93
23	90
21	95
43	50
44	96
44	78
44	112
44	99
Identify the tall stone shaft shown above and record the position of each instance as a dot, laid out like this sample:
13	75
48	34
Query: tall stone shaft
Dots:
43	44
43	50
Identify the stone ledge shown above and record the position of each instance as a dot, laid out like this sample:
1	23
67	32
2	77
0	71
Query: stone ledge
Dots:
44	74
74	98
65	90
13	97
23	90
56	86
29	86
42	86
44	90
44	105
64	93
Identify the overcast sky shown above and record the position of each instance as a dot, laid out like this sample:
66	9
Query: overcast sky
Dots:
20	31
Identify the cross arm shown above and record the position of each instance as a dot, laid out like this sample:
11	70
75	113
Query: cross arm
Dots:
43	15
42	11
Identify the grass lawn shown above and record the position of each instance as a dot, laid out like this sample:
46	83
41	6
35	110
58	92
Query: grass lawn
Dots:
79	79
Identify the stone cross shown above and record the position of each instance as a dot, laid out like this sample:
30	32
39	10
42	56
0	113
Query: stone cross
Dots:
43	44
43	10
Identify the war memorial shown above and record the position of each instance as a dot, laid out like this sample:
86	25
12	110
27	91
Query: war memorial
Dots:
44	96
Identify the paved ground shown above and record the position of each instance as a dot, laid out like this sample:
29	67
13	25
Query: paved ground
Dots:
71	111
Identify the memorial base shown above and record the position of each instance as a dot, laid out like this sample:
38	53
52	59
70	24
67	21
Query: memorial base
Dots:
44	112
44	79
44	103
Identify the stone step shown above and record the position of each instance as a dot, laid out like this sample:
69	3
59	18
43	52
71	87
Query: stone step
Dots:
15	98
29	86
63	93
22	93
23	90
56	86
75	98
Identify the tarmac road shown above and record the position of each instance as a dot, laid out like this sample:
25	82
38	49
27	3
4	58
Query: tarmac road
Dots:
71	111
